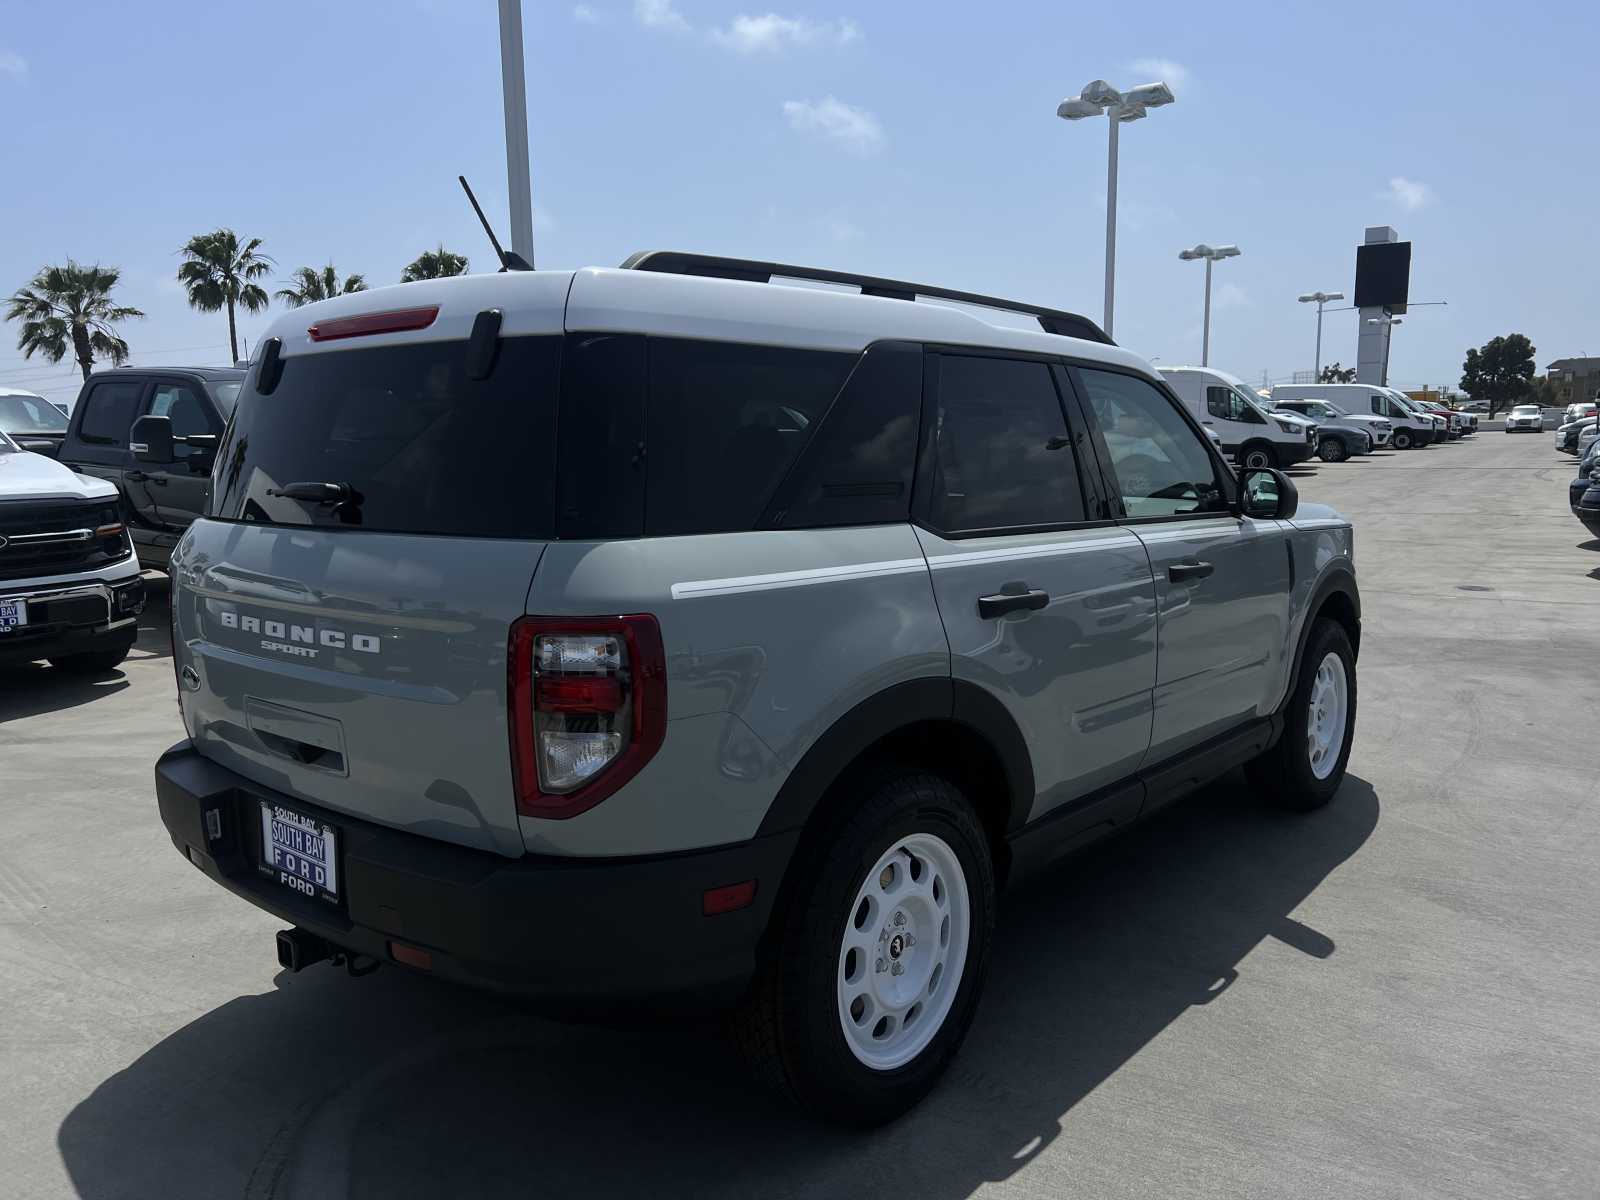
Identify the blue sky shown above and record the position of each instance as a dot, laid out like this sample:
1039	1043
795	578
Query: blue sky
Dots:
914	140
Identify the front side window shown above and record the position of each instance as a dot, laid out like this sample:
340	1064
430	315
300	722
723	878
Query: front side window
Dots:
1161	466
1230	405
109	409
179	404
1004	458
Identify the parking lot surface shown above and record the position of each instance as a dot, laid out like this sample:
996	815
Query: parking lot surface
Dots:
1392	997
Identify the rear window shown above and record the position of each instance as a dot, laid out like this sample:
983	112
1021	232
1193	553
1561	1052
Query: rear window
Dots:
226	395
418	446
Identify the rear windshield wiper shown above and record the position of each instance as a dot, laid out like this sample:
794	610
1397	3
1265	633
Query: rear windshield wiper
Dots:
318	493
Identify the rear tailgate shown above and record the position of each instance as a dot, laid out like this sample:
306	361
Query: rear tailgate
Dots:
345	641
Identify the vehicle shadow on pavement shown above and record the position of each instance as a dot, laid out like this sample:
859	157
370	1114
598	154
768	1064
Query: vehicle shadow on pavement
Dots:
398	1085
33	689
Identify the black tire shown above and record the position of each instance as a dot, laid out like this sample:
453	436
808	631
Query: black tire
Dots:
1331	450
1256	455
789	1026
1283	774
1402	439
97	662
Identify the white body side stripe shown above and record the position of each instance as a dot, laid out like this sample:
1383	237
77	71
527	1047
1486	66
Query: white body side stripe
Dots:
786	579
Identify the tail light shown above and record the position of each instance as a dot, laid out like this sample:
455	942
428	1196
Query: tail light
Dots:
588	708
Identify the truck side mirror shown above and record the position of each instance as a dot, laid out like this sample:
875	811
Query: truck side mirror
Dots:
1267	494
150	439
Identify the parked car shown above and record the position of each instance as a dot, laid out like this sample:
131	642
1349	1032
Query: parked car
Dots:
33	422
1441	426
70	589
766	723
159	497
1585	493
1569	436
1587	462
1577	411
1527	418
1410	428
1325	413
1455	424
1252	436
1338	436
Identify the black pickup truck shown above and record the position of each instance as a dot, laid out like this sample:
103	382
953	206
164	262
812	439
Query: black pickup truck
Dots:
163	472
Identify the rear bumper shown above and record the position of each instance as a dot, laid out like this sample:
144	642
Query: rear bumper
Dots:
568	931
85	617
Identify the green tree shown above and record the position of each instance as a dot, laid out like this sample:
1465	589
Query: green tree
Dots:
1337	374
1500	372
70	307
310	285
434	264
218	272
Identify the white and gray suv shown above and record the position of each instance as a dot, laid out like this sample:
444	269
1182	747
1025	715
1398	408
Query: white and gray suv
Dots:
672	633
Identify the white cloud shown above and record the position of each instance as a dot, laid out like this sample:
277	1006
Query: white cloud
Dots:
1229	295
13	64
773	34
1174	74
854	129
586	15
1408	193
659	14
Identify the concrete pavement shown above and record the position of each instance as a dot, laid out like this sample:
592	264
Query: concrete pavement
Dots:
1392	997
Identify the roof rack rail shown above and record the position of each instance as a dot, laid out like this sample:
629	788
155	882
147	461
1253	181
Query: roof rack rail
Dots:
676	262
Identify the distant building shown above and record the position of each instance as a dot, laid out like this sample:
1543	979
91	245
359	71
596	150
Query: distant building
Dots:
1573	379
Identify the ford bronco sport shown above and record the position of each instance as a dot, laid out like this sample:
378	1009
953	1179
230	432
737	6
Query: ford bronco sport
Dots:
677	632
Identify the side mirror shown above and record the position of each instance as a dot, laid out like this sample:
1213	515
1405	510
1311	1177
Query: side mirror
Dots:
1268	494
150	439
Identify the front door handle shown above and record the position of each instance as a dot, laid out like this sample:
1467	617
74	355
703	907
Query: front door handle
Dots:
990	607
1179	572
136	476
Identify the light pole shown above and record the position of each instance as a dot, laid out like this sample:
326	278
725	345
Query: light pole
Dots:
1098	97
1211	254
1388	337
1321	298
519	187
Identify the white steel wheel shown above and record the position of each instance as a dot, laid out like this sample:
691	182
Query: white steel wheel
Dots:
903	951
1327	715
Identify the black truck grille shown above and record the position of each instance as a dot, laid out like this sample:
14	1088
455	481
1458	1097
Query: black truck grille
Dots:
45	537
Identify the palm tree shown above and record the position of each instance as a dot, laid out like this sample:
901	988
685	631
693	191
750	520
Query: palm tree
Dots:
434	264
218	272
311	285
71	305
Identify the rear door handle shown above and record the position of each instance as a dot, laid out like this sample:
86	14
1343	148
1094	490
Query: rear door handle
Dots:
990	607
1178	572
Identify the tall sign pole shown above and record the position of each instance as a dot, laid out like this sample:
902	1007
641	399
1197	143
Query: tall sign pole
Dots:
519	184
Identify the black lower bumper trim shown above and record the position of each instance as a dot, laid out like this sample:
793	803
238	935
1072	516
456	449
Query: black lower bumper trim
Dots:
565	930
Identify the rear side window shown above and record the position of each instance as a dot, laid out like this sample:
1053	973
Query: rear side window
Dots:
1003	458
858	468
418	446
725	424
108	412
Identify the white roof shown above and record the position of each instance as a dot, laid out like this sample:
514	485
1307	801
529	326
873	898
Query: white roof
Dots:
5	391
654	302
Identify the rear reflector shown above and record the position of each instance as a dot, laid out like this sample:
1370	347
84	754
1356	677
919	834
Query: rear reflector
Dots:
396	320
411	956
578	694
729	898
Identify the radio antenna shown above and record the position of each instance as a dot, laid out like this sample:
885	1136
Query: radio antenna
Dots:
510	260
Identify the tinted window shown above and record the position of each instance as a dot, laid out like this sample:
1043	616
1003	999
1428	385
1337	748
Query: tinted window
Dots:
858	467
600	492
1161	466
423	448
109	409
30	414
726	422
183	407
1003	458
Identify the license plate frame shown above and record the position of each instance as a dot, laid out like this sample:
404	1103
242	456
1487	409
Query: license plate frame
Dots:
13	613
299	852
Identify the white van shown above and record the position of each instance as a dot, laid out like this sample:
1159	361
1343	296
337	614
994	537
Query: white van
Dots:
1254	437
1410	428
